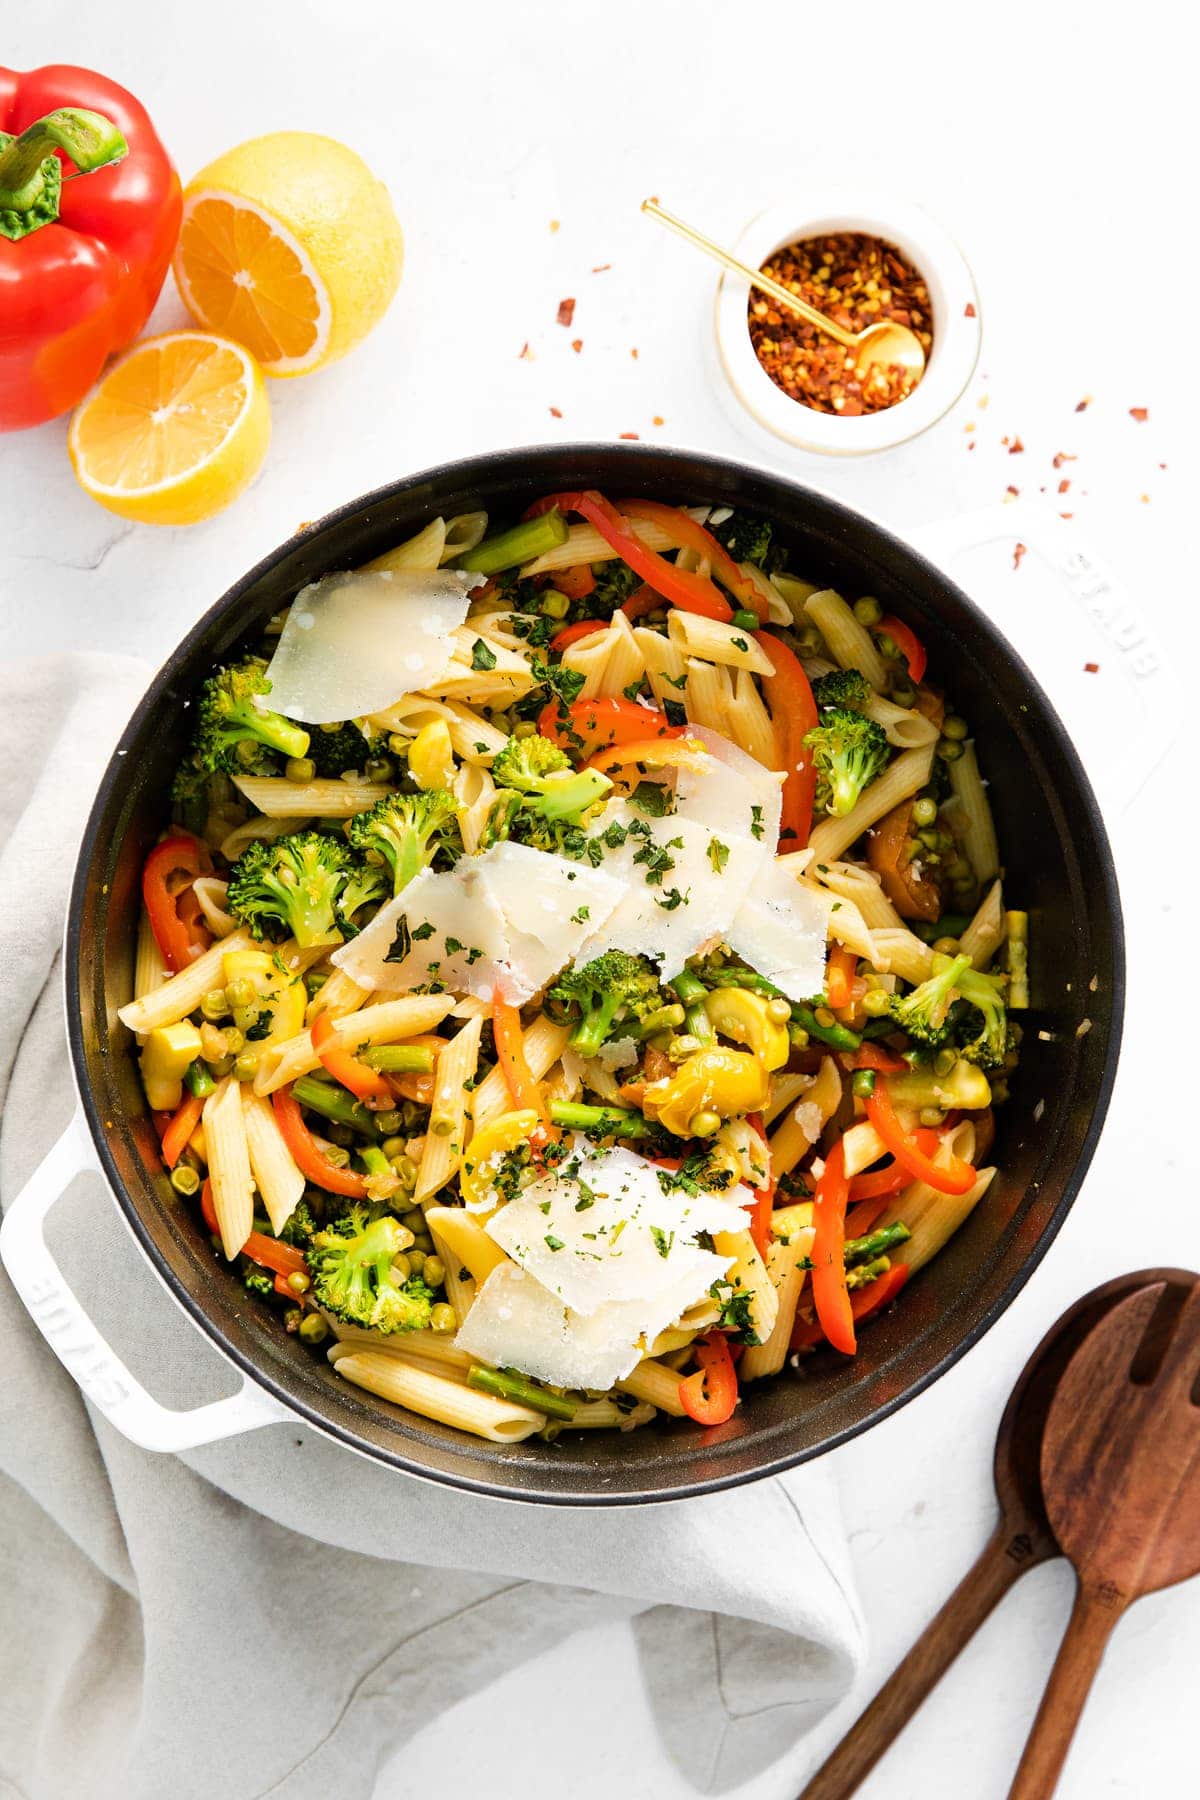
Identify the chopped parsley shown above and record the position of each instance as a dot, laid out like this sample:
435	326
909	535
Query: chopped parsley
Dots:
402	940
453	946
675	710
671	899
586	1197
718	855
739	643
482	657
421	933
735	1311
581	915
756	821
553	1243
662	1241
651	797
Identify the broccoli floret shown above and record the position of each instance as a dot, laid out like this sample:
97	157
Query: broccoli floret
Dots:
367	885
335	749
842	687
849	751
299	1226
291	888
542	774
233	730
191	796
957	1005
615	582
256	1280
406	832
351	1267
611	991
748	539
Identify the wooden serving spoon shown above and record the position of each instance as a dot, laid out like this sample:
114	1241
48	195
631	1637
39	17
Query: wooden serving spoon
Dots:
1121	1481
1023	1538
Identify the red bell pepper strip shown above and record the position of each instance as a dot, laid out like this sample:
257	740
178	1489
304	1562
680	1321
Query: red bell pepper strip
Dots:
863	1302
689	534
683	588
710	1395
793	712
183	1123
643	600
879	1183
839	975
574	634
906	641
861	1217
958	1178
306	1153
170	869
590	725
576	583
524	1091
363	1083
884	1062
830	1294
81	262
267	1252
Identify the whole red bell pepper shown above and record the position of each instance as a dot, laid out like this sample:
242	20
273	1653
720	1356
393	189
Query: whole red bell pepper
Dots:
81	260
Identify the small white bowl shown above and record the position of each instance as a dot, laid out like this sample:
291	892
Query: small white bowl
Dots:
754	398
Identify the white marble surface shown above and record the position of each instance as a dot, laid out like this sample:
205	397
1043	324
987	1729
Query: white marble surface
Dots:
1052	141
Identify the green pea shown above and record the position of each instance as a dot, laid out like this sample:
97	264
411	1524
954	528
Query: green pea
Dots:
862	1083
388	1122
434	1272
313	1329
378	768
932	1116
525	728
235	1040
239	992
944	1061
291	1319
245	1066
298	1281
424	1243
954	727
903	694
300	769
887	646
393	1147
404	1168
946	946
341	1135
214	1005
924	812
744	619
876	1003
184	1179
960	870
705	1123
868	610
402	1267
416	1262
414	1221
443	1318
949	749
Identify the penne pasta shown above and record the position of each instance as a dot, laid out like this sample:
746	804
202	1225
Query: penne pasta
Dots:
709	696
463	532
748	1275
149	969
715	642
901	779
434	1397
804	1124
472	737
279	798
665	663
979	835
543	1044
258	829
785	1268
229	1166
446	1138
904	727
279	1182
338	994
901	952
182	993
850	644
475	792
656	1383
585	545
985	934
211	892
385	1023
467	1243
424	551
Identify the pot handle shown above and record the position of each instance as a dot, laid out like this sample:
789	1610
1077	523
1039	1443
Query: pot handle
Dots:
1084	639
83	1352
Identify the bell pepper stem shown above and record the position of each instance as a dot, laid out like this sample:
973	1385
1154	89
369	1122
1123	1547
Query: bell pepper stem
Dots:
31	175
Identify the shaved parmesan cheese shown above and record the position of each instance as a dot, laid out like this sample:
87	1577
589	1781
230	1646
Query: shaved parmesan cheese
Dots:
723	789
516	1323
693	898
354	643
511	918
780	930
599	1229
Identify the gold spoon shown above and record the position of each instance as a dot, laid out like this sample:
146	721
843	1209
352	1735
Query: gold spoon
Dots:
887	343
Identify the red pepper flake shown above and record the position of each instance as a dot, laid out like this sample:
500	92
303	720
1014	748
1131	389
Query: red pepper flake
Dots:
1091	668
969	310
629	434
1162	465
525	354
600	268
1070	515
1063	456
1014	491
633	353
971	444
1145	499
1084	403
657	420
1063	485
566	311
1140	413
1018	552
556	412
1016	448
577	345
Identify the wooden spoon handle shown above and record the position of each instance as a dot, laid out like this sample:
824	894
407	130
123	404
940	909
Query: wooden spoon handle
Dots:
1005	1557
1092	1619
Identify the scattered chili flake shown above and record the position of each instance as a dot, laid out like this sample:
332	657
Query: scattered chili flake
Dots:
969	310
566	311
657	420
600	268
1162	465
1063	456
1145	499
1018	552
1016	448
1091	668
629	434
983	402
554	223
970	425
525	354
1069	515
857	280
1140	413
556	412
305	523
1084	403
633	353
577	345
971	445
1010	489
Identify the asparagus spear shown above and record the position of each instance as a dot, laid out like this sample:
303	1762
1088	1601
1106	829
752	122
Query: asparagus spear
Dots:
508	1386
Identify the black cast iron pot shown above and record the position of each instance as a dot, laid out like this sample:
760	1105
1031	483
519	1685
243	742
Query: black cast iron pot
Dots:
1058	866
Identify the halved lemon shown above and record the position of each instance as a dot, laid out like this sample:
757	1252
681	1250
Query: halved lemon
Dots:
175	430
290	245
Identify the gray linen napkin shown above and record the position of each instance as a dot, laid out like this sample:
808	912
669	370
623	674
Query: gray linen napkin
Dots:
272	1614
